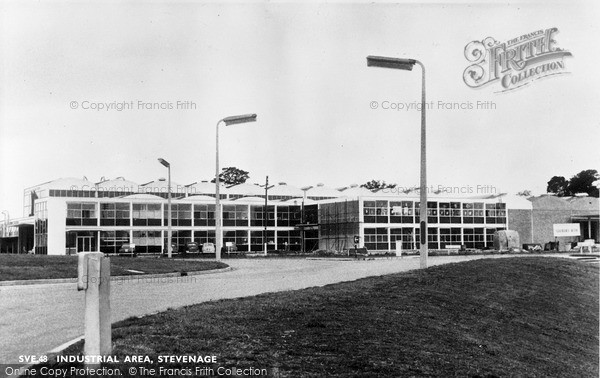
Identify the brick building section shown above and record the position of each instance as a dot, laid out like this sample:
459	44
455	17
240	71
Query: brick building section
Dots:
520	220
549	210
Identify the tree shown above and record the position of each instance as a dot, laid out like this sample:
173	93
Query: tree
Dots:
377	184
232	176
558	185
582	183
524	193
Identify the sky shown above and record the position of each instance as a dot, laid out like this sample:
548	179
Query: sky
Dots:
302	68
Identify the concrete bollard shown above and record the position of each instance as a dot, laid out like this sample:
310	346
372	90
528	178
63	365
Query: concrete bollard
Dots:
93	272
398	248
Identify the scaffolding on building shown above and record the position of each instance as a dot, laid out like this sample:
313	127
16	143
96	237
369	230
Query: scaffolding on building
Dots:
339	222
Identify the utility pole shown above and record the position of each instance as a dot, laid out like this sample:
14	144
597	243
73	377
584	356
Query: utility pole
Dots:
267	187
265	214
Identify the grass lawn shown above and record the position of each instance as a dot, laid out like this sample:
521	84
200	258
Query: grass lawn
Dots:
31	267
525	317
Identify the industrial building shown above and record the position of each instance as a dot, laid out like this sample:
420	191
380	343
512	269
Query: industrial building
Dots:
67	216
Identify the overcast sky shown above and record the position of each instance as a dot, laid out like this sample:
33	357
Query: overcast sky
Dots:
302	69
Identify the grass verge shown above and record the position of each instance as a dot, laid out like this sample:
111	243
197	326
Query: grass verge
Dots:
485	318
32	267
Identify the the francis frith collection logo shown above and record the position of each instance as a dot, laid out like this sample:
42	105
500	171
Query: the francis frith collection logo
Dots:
516	62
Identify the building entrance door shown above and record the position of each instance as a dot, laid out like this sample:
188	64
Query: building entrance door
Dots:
84	244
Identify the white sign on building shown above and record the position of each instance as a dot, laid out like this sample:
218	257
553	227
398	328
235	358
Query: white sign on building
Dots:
566	229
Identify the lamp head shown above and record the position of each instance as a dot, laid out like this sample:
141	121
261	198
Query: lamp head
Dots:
164	162
395	63
233	120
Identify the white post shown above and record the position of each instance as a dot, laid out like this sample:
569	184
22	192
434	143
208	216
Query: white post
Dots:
170	230
423	190
218	229
399	247
94	277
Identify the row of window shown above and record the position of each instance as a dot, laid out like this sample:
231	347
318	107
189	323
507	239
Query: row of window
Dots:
119	214
72	193
154	241
437	212
121	193
407	212
40	227
437	238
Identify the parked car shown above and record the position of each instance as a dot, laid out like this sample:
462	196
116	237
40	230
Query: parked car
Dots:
193	247
208	248
127	249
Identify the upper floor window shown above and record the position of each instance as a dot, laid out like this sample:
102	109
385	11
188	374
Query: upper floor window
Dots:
114	214
82	214
146	214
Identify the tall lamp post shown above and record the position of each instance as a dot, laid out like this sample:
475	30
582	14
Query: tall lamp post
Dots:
303	217
169	232
228	121
407	65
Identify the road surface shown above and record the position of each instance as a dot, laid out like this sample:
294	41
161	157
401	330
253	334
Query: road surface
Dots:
35	319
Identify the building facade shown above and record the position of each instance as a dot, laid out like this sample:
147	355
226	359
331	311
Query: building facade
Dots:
382	222
67	216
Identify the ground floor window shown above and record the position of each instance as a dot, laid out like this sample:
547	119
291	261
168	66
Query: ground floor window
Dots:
257	240
237	237
432	238
41	244
589	229
404	235
202	237
41	236
474	238
81	241
289	240
376	239
112	241
147	241
179	239
489	236
450	236
311	240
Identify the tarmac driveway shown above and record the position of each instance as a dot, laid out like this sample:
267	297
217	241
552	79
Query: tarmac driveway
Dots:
37	318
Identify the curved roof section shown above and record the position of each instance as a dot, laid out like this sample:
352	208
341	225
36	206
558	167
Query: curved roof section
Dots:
205	187
246	190
514	202
298	201
251	200
70	183
118	185
144	196
323	191
283	189
199	198
161	186
358	191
